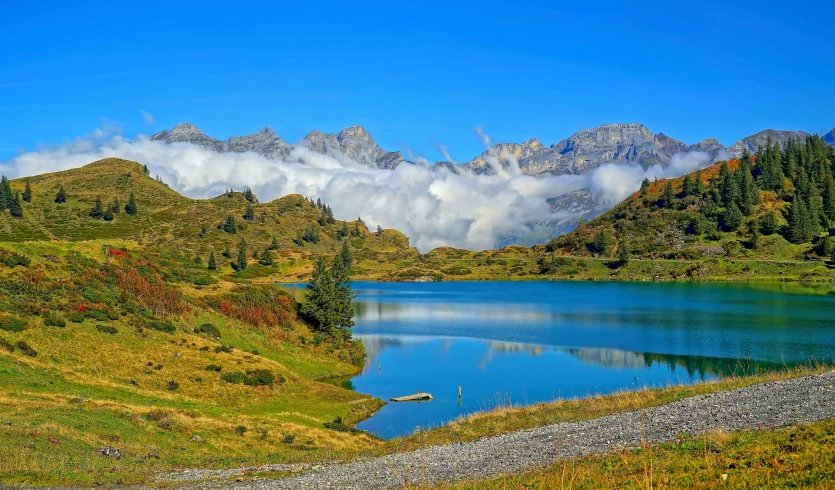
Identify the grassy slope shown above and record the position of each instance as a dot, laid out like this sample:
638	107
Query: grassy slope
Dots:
87	388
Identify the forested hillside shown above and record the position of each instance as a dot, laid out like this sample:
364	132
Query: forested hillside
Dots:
775	205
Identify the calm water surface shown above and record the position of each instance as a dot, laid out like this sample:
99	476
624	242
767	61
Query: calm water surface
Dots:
524	342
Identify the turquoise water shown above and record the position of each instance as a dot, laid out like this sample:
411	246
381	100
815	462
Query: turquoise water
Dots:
524	342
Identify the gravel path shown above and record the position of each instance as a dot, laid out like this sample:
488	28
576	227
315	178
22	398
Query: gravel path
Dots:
772	404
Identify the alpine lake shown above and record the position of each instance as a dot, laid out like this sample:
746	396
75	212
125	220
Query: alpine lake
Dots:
516	343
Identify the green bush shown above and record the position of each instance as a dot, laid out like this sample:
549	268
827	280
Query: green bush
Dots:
77	317
54	320
233	377
259	377
106	329
210	330
214	367
6	344
224	348
240	430
12	259
173	385
289	439
12	324
26	349
161	326
339	425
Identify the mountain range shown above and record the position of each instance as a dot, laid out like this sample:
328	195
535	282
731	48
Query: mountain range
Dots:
580	153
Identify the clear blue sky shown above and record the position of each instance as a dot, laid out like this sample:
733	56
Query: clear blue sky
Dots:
416	74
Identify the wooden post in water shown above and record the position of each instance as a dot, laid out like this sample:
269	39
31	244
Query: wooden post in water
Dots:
459	396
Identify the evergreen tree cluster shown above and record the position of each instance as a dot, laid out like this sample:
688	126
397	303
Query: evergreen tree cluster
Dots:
110	211
10	200
800	173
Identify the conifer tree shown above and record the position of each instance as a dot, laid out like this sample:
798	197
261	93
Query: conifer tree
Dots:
323	218
266	258
798	227
230	226
130	207
379	230
687	186
227	252
27	193
732	217
6	195
768	223
61	196
817	216
108	213
97	210
623	253
829	197
145	170
329	214
15	209
319	202
342	233
115	207
198	260
345	255
699	186
356	231
242	260
248	195
212	265
328	302
249	214
274	244
644	186
753	233
668	196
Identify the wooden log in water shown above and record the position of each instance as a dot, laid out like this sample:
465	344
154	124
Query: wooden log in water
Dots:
413	398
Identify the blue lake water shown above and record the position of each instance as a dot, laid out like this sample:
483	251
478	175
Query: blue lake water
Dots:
524	342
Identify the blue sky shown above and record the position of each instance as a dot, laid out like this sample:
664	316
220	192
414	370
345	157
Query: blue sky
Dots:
415	74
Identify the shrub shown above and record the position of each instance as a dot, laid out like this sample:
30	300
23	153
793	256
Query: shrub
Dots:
224	348
214	367
26	348
204	348
54	320
12	324
106	329
156	415
6	345
209	329
173	385
13	259
240	430
77	317
339	425
259	377
289	439
161	325
233	377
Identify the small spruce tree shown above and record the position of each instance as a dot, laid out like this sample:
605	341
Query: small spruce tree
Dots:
242	260
227	252
15	209
27	193
61	196
274	244
212	265
108	213
266	258
249	214
345	255
130	207
97	210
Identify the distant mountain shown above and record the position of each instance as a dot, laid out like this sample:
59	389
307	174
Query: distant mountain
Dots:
760	139
354	142
585	150
829	137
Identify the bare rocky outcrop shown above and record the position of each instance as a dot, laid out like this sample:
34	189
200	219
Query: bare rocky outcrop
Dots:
759	139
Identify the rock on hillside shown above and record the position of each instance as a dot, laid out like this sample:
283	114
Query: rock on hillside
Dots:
760	139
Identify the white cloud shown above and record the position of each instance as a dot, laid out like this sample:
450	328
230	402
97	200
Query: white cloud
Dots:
432	206
149	119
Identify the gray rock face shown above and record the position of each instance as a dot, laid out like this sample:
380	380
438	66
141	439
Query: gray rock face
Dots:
264	142
760	139
585	150
356	143
707	144
189	133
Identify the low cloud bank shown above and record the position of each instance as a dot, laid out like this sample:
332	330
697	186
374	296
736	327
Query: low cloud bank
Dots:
432	206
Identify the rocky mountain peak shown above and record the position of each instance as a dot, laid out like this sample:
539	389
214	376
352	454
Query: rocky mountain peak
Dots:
759	139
